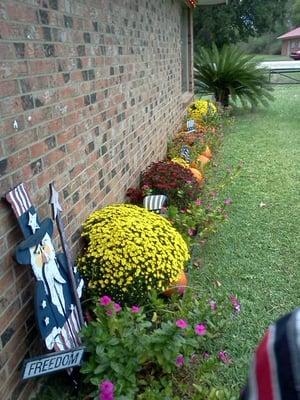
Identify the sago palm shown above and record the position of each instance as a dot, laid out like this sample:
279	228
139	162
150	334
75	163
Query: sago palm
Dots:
229	72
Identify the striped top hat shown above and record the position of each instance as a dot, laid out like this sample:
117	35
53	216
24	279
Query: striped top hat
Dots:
32	228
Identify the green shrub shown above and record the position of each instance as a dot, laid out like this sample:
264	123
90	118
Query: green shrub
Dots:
231	73
139	350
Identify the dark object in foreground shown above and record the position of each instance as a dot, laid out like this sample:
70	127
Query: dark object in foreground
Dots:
275	372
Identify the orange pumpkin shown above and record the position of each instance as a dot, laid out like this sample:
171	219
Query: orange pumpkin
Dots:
207	153
197	174
203	160
179	286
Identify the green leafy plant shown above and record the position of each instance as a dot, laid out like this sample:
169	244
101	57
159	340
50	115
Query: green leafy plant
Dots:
134	348
203	216
154	352
197	221
231	73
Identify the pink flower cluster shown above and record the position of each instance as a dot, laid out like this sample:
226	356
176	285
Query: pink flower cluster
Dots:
235	303
116	307
106	390
225	357
200	329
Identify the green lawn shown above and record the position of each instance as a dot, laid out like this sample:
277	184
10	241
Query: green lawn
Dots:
271	57
255	255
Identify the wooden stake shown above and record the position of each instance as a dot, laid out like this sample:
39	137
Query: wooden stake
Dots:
56	208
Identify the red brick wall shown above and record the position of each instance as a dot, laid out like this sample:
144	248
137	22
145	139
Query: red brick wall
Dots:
89	92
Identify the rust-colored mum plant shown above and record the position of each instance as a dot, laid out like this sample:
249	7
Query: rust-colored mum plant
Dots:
173	180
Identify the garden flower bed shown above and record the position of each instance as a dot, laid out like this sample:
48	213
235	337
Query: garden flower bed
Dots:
141	343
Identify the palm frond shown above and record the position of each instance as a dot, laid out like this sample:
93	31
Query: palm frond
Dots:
230	72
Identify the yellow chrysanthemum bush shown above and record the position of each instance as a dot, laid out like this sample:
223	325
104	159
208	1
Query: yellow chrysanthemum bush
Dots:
129	252
200	109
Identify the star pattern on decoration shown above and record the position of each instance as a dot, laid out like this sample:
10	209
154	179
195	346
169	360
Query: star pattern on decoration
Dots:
32	222
43	304
46	320
54	201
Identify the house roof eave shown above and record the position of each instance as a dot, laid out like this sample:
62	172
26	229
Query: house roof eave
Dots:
293	34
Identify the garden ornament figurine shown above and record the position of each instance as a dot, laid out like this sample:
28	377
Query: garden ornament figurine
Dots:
155	202
55	308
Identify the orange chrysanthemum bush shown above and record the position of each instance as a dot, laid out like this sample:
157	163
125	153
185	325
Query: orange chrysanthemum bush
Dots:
129	252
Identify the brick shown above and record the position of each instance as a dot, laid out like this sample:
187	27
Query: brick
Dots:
44	17
7	51
20	50
33	84
21	13
11	70
40	67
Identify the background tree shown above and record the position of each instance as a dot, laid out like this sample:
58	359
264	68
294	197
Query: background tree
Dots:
237	21
295	13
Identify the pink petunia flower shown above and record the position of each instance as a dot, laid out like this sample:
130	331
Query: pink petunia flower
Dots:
117	307
109	313
235	303
181	323
198	202
106	390
191	231
105	300
213	305
179	360
225	357
135	309
205	355
227	202
200	329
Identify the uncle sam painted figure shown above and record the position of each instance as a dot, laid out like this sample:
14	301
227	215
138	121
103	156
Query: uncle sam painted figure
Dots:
55	310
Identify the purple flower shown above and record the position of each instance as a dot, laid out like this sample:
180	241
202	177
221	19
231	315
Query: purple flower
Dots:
135	309
198	202
179	360
225	357
105	300
200	329
117	307
206	355
213	305
227	202
181	323
106	390
235	303
109	313
191	231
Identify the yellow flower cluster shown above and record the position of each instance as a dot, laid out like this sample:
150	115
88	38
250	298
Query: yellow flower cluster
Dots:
181	161
200	108
130	251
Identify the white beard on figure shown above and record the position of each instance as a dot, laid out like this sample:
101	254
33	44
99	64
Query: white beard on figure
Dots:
49	273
